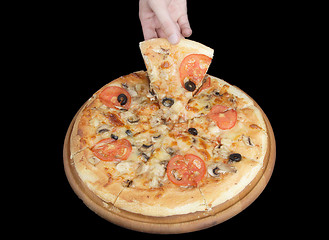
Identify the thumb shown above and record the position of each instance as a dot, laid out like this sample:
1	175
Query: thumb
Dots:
168	26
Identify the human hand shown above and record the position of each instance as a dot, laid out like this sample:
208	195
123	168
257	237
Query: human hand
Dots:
164	19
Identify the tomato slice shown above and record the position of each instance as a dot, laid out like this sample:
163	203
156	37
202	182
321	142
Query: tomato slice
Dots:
110	97
224	117
109	149
206	84
193	68
186	170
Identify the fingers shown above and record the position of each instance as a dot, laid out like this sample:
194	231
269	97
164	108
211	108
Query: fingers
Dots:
149	31
158	19
168	26
185	26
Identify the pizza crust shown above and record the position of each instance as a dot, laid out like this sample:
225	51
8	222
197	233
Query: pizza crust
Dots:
218	192
95	177
172	200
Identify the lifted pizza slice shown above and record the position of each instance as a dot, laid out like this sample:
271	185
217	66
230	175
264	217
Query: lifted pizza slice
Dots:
176	72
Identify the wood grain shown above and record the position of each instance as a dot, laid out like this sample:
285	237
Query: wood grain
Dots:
172	224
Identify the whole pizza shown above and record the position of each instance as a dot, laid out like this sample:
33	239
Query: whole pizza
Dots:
170	140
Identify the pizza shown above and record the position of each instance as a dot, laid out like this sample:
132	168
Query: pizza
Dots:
136	151
176	72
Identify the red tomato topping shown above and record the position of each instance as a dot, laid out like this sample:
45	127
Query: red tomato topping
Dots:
206	84
109	149
115	97
224	117
186	170
194	67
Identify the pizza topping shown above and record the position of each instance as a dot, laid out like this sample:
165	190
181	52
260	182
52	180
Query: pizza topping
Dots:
168	102
217	93
146	151
170	151
216	169
193	131
147	146
109	149
114	97
151	91
255	126
125	167
129	133
193	68
186	170
122	99
133	119
127	183
190	86
115	120
156	137
224	117
206	83
247	140
144	155
235	157
165	64
103	128
115	137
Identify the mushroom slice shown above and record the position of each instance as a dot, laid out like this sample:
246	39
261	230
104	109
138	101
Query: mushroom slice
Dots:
103	128
247	140
170	151
133	119
215	169
146	151
93	160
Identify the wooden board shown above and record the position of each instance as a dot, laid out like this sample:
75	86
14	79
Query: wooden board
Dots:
172	224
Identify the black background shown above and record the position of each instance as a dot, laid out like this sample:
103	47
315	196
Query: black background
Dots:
79	48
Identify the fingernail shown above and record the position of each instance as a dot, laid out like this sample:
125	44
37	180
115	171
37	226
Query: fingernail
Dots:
173	39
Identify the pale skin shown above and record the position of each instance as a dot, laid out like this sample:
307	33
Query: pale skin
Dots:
164	19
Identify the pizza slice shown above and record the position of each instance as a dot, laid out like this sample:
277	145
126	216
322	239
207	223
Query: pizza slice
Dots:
226	178
215	92
168	183
176	72
107	168
119	110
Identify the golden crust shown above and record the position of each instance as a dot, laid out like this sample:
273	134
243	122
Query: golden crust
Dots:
228	186
97	176
165	201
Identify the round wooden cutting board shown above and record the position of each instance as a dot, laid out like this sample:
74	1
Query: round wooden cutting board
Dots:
173	224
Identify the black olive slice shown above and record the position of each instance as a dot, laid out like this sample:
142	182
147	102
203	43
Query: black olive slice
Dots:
122	99
115	137
167	102
190	86
193	131
129	133
235	157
